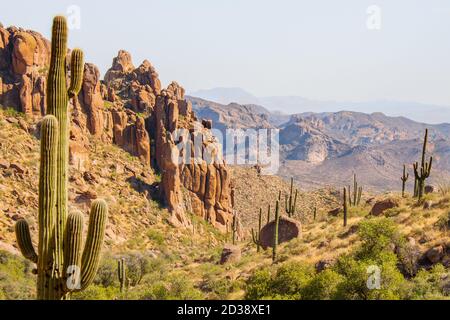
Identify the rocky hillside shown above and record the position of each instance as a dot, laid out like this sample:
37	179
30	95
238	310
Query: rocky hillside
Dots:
327	148
128	108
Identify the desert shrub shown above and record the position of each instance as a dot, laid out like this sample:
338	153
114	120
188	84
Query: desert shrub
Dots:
432	284
377	279
96	292
291	278
107	272
323	286
16	280
258	285
377	235
219	288
156	236
175	286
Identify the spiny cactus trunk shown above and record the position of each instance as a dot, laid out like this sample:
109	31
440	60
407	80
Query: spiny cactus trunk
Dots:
61	269
345	207
290	203
256	236
122	274
404	178
423	172
275	232
49	277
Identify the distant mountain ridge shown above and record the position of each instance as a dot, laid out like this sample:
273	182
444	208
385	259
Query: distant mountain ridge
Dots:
326	148
420	112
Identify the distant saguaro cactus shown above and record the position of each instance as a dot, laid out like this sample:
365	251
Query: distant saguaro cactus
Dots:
122	274
423	172
345	206
256	235
354	199
61	267
404	178
275	231
291	202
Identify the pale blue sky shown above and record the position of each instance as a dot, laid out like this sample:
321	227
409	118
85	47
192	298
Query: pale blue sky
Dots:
318	49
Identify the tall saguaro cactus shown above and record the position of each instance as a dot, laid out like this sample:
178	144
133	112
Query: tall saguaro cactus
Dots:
404	178
256	235
423	172
61	266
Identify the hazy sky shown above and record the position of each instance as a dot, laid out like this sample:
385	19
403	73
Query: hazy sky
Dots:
319	49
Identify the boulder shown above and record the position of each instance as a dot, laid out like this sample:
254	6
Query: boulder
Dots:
335	212
288	229
427	204
380	206
324	264
435	254
429	189
230	254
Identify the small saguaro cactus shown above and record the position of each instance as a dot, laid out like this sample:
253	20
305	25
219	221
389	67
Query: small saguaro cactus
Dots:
275	231
345	207
122	274
404	178
268	213
291	201
234	229
256	235
423	172
61	267
355	198
315	213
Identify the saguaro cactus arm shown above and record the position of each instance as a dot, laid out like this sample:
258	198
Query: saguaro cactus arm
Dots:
94	242
76	73
24	240
72	250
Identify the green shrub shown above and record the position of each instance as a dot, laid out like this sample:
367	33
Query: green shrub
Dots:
377	235
95	292
259	284
175	286
433	284
291	278
16	280
358	274
323	286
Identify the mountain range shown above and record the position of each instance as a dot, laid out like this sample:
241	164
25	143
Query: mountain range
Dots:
326	148
420	112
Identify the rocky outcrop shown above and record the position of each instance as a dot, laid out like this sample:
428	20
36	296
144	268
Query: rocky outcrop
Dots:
23	57
204	175
288	229
380	206
130	109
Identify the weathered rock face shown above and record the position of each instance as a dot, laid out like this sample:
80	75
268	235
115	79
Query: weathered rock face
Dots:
23	57
207	183
127	108
288	229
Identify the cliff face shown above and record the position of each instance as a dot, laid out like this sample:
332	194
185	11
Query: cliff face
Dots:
129	108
